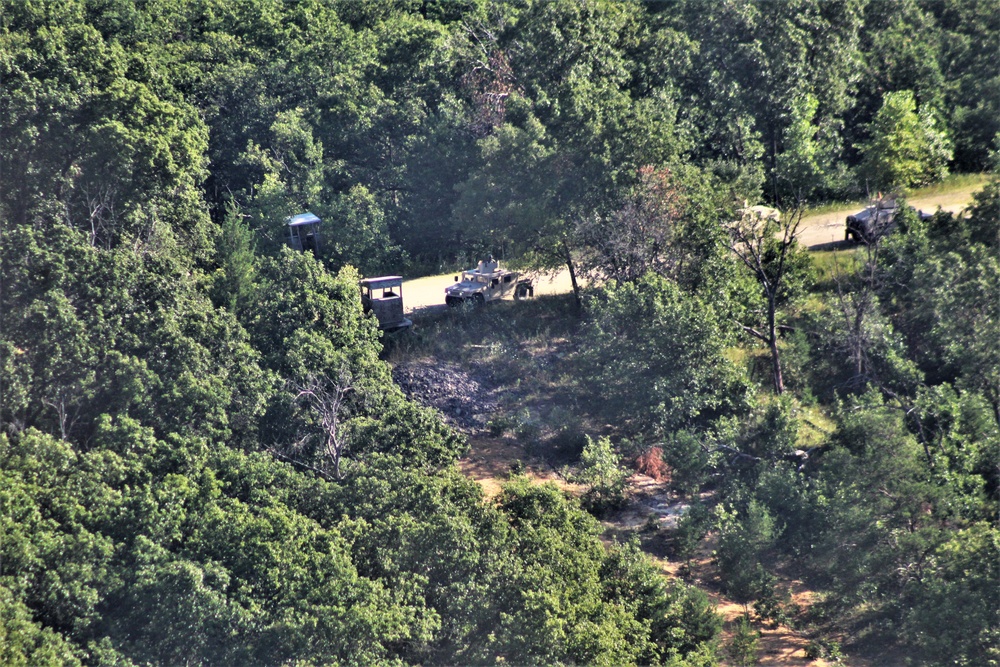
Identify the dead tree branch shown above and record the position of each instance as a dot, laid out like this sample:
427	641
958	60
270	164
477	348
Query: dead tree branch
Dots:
324	398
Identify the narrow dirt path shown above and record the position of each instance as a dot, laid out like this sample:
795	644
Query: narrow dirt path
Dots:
652	502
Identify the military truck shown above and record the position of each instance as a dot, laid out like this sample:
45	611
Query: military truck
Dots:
384	297
875	221
487	282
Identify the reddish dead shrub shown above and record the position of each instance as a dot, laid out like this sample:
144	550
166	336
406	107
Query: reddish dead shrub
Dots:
651	464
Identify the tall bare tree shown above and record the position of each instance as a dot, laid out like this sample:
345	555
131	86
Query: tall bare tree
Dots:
857	289
766	243
642	235
324	398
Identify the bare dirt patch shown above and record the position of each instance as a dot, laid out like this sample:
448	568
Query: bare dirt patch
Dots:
491	461
779	644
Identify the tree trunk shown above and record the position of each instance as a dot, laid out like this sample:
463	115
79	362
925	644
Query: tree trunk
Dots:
772	342
859	353
779	383
568	258
336	464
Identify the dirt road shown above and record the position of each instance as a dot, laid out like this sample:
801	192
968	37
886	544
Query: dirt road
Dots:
817	231
428	292
828	227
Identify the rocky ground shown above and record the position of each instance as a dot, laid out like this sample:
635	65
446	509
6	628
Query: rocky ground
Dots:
464	396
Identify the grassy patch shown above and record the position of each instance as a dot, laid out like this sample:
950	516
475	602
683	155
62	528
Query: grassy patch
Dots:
829	264
834	207
475	334
817	426
952	183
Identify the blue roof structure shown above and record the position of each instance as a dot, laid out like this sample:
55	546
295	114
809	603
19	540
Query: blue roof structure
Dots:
303	219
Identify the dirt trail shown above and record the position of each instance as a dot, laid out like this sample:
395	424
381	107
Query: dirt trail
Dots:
428	292
817	231
778	644
823	228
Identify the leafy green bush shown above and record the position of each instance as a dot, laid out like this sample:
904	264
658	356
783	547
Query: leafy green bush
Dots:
744	538
655	354
818	649
744	645
691	529
688	458
600	468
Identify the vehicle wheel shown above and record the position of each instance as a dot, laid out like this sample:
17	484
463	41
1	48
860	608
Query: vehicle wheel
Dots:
478	300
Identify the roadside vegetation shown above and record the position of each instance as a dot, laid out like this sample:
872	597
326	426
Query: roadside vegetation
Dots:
872	477
951	184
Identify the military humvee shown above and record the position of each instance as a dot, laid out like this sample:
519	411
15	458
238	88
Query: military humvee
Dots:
875	221
487	282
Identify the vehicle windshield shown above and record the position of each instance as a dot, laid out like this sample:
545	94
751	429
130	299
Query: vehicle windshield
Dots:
471	277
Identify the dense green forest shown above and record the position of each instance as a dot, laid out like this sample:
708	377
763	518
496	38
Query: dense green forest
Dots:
204	459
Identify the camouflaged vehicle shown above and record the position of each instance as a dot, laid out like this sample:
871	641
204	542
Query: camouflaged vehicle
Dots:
874	221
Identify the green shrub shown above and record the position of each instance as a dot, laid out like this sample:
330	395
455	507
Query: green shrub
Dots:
745	643
601	469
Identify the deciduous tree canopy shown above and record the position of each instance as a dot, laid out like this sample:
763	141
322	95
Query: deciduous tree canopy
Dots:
204	459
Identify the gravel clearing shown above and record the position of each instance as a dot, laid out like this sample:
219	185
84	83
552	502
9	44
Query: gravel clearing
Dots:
465	397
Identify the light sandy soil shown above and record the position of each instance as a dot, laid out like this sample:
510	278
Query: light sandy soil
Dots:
817	231
828	227
489	463
778	644
428	292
